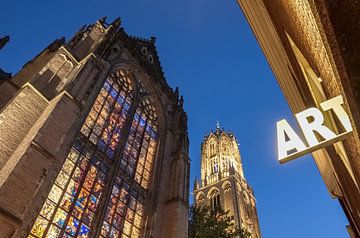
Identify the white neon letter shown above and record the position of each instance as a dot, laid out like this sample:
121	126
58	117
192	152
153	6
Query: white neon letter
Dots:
308	128
294	141
335	104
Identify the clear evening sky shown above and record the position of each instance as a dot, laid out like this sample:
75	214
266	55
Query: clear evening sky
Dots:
207	49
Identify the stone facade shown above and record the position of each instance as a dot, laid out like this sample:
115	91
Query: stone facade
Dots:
223	183
93	141
310	46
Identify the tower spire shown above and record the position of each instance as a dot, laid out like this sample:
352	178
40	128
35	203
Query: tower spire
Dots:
217	125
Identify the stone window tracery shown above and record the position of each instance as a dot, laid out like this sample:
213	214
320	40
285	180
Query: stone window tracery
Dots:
227	187
200	198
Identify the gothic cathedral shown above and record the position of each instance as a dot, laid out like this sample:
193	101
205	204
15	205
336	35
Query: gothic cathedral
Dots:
223	183
93	141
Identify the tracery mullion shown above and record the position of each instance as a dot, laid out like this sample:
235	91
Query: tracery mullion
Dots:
140	143
112	172
90	162
149	129
107	119
118	166
150	155
112	175
75	197
145	155
135	165
129	180
58	204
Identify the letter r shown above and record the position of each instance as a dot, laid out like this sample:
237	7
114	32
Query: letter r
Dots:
309	128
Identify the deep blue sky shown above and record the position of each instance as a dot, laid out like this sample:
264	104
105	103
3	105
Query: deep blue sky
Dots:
207	49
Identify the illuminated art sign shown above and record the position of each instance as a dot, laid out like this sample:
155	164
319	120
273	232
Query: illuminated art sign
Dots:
311	121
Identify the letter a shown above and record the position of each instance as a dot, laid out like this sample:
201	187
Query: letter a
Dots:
294	142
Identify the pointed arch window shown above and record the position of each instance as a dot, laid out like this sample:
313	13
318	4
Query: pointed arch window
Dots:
212	149
215	200
109	164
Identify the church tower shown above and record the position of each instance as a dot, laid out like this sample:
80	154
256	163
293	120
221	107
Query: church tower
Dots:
223	183
93	141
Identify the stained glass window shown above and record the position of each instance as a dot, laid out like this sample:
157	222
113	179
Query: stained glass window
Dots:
74	196
107	117
73	201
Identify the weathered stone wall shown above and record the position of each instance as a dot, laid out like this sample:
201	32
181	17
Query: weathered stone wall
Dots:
15	121
36	163
171	206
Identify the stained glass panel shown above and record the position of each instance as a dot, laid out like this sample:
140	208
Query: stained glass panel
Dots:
48	209
105	229
135	233
88	217
53	232
78	210
72	188
114	232
62	179
96	191
78	174
84	231
68	166
39	226
66	202
60	217
72	226
55	193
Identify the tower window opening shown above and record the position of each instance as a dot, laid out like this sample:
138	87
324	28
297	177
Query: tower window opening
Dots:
212	150
215	200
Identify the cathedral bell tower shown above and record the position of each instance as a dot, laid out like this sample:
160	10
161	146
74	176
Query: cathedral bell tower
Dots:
223	183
